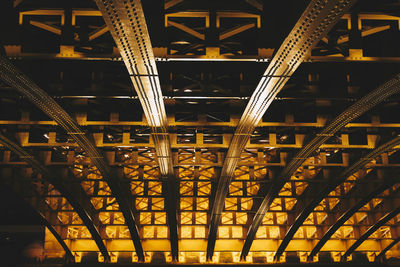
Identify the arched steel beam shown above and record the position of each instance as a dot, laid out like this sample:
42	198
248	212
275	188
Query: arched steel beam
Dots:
84	209
127	25
315	22
331	185
12	76
364	104
46	223
370	231
387	248
388	182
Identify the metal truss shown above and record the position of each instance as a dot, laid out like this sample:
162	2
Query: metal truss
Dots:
378	95
387	248
25	86
69	257
332	184
382	221
128	27
315	22
78	201
387	182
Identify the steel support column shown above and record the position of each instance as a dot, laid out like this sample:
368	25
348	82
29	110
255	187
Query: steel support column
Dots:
332	184
315	22
12	76
127	25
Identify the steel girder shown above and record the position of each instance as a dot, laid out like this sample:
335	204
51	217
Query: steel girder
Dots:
315	22
332	184
83	208
372	229
389	180
387	248
364	104
127	25
12	76
45	222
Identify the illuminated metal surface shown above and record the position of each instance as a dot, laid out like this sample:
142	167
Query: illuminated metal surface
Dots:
373	229
387	183
25	86
128	27
68	253
370	100
67	188
318	18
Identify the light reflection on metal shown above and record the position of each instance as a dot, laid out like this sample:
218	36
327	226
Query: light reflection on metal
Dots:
84	208
366	103
128	28
318	18
68	253
392	178
12	76
372	230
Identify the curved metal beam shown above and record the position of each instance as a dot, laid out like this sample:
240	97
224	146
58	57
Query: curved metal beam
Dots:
127	25
315	22
370	231
85	211
364	104
344	217
332	184
46	223
12	76
387	248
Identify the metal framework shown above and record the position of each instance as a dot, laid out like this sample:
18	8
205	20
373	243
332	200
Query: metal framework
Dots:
387	183
310	28
128	27
191	163
348	115
25	86
69	257
84	207
382	221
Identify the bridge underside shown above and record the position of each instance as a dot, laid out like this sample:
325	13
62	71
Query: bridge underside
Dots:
171	87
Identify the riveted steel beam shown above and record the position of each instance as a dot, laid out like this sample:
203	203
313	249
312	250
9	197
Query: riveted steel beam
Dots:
127	25
370	231
318	18
364	104
331	185
12	76
83	208
390	179
68	253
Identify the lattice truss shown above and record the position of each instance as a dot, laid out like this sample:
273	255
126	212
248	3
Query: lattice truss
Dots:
197	170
